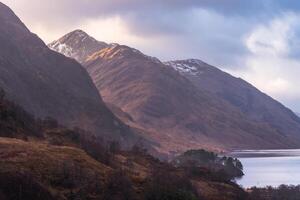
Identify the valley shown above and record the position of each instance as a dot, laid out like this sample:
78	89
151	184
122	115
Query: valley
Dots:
84	119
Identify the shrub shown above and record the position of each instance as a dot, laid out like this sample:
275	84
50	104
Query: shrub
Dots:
169	186
118	187
15	186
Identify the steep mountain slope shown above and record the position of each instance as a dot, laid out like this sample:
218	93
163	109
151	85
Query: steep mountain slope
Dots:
159	98
256	105
46	83
78	45
169	108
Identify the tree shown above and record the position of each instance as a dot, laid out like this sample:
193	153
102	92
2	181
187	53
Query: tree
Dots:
118	187
2	94
114	147
49	122
238	164
168	185
138	149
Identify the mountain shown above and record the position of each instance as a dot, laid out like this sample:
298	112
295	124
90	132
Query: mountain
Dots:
170	109
47	84
78	45
256	105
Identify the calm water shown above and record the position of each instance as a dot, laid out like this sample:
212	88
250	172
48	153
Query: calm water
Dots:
269	167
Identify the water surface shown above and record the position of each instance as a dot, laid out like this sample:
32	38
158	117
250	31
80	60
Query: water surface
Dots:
269	167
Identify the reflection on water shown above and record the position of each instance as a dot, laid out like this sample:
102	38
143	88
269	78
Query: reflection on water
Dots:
269	167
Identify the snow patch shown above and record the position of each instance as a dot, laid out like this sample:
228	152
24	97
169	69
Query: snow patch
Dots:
187	66
63	49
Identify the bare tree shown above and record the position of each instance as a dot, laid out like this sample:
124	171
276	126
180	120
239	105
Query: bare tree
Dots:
2	94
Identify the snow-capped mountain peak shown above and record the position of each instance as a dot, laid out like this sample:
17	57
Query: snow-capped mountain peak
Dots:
78	45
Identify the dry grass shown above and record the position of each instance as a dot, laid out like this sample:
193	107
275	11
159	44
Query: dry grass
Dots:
215	190
49	164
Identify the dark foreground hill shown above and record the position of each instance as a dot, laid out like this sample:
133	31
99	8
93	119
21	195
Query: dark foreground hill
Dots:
47	84
40	159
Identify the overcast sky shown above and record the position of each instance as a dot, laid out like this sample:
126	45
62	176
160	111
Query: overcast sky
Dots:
258	40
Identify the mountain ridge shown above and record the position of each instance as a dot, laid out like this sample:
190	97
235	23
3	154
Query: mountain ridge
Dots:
171	108
249	100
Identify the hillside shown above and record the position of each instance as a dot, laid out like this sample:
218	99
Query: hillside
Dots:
34	171
41	159
46	172
169	108
47	84
256	105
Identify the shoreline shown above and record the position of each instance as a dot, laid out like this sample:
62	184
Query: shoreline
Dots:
265	153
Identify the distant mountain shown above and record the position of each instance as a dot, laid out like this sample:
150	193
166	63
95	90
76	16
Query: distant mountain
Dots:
171	109
47	84
256	105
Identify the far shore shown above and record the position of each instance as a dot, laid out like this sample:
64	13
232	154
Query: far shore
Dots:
265	153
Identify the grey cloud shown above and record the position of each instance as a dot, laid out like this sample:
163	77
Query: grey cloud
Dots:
202	23
76	10
215	27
